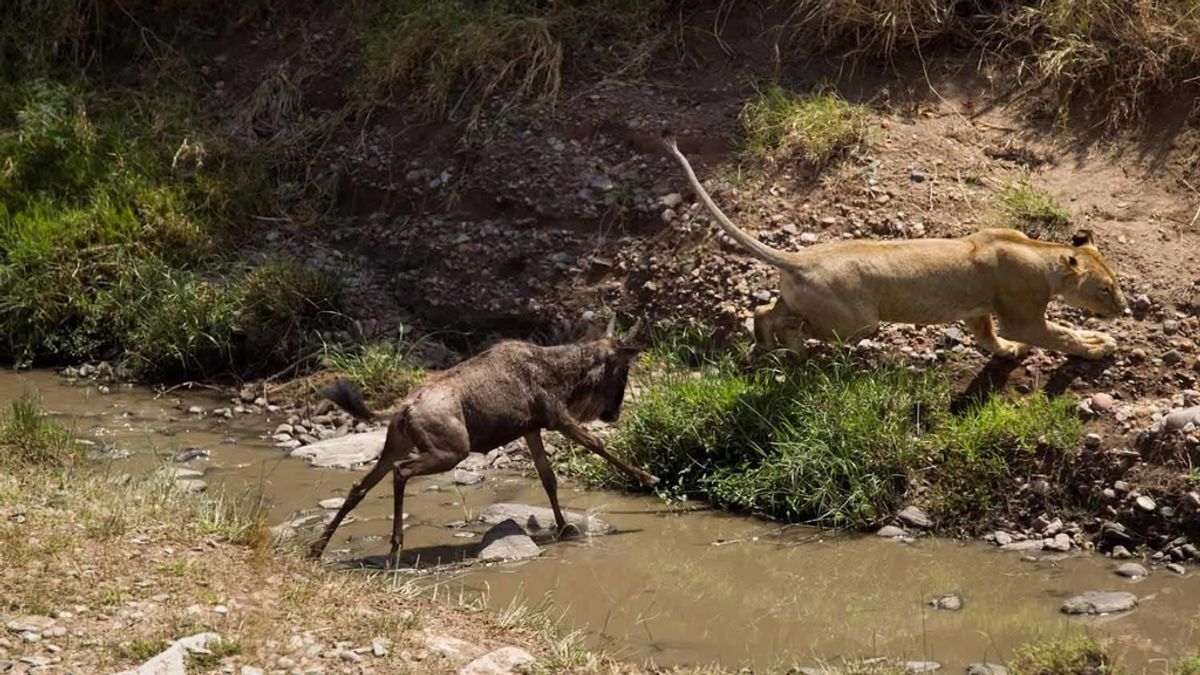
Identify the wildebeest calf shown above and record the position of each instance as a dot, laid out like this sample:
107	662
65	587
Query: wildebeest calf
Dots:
513	390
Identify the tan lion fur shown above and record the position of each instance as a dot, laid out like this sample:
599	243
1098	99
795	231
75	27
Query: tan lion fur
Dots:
844	289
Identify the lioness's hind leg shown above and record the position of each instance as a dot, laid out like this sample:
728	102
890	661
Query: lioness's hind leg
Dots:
984	330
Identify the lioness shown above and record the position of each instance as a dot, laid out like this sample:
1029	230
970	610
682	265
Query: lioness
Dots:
844	289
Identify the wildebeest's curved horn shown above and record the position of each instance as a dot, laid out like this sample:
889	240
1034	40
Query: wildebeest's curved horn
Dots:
612	325
633	331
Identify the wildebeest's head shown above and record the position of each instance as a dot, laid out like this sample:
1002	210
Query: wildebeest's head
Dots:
602	390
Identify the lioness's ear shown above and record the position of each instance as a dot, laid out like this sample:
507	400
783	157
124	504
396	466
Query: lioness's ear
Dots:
1071	262
1082	238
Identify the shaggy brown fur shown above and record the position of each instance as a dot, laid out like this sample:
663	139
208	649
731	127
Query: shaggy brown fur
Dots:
513	390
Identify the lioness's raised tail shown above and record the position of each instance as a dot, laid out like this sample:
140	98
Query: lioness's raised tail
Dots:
758	249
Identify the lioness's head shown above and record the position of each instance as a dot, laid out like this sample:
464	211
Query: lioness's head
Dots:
1091	283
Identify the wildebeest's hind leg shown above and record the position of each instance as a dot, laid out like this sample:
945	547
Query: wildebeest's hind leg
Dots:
395	447
441	443
546	473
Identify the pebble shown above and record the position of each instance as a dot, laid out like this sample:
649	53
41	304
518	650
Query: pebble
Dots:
1102	402
1001	538
1176	568
1092	440
1121	553
916	667
949	603
891	531
1146	503
350	656
915	517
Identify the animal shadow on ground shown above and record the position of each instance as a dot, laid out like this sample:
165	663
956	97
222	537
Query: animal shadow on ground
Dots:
996	373
1072	369
990	379
429	557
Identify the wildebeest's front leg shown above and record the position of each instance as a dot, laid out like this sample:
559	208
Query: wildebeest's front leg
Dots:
546	473
574	431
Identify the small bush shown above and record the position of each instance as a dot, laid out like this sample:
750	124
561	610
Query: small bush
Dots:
107	247
828	443
843	449
687	345
384	372
138	651
984	448
29	437
179	322
834	441
283	303
1062	656
816	127
1186	666
1034	211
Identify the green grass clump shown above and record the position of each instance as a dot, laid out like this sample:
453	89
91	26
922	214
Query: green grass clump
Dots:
29	438
833	442
1062	656
822	443
815	127
111	240
985	448
1186	666
383	371
479	46
1033	210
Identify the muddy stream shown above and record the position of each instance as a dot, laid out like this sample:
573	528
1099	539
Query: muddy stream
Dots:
671	586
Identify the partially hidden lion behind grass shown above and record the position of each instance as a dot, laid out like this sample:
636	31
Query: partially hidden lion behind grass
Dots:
844	289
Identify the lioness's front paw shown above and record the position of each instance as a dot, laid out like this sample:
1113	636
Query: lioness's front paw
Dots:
1097	345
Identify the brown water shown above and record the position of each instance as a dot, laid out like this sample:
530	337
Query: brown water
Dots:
671	586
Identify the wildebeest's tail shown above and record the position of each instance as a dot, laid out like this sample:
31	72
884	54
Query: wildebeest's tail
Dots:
348	398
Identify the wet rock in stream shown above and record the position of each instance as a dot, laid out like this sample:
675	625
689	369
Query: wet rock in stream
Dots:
1131	571
507	541
1100	602
539	519
345	452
